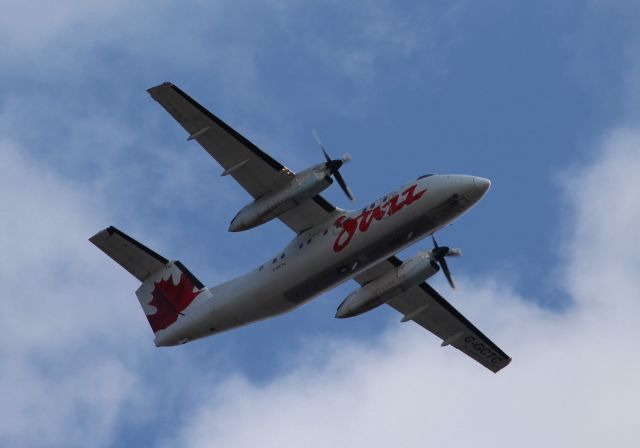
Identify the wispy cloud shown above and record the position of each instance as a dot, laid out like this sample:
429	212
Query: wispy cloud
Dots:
35	26
63	379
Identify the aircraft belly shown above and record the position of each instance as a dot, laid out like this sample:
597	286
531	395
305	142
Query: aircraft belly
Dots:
381	241
303	275
342	266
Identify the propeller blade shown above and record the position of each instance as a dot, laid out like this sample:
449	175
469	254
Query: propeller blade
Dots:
447	272
343	185
324	151
326	156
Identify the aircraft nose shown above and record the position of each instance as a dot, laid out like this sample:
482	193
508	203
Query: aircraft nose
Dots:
481	184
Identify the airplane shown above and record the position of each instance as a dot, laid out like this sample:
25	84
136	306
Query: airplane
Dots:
330	247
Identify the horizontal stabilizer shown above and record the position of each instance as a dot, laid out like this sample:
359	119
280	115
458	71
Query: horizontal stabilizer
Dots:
136	258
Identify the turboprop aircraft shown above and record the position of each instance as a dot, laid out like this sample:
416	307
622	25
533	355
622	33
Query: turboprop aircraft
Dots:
330	246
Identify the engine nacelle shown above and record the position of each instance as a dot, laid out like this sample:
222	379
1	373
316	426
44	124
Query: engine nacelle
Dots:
406	276
303	186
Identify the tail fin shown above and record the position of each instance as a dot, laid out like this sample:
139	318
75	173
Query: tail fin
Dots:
168	287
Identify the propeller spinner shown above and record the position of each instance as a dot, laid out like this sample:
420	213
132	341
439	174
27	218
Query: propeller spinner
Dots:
334	165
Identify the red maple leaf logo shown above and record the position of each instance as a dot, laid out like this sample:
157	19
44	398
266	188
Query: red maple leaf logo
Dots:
170	300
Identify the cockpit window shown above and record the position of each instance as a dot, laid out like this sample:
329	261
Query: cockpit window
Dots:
426	175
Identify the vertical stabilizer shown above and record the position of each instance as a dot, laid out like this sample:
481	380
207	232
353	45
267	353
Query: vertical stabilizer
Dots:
166	294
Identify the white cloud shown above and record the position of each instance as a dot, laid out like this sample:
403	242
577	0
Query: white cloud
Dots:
64	333
572	381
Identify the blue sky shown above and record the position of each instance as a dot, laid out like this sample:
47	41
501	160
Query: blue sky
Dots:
540	97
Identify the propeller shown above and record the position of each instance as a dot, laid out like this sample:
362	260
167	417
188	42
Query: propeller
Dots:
334	165
439	253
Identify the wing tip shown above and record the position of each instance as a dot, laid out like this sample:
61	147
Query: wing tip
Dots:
155	89
101	235
506	362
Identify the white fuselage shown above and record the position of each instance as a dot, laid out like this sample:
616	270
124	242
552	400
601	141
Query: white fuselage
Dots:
328	254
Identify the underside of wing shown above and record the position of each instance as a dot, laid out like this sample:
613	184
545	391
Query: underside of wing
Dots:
256	171
425	306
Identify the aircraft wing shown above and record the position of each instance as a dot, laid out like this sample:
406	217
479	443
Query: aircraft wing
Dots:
256	171
426	307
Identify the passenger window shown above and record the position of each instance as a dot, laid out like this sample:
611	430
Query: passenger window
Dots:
309	241
260	268
274	260
300	246
325	231
281	256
